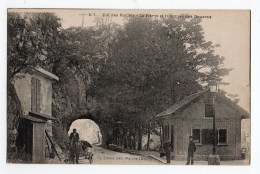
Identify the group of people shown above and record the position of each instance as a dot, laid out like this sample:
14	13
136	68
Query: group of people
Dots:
191	149
75	147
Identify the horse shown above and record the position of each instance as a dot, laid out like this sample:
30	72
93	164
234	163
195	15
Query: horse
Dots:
74	150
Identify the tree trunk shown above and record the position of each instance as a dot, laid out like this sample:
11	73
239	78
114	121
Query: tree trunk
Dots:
134	141
148	138
140	136
130	140
124	139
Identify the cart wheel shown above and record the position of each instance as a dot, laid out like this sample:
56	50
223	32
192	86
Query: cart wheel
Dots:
90	159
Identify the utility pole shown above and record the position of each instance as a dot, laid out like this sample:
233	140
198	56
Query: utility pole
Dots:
83	19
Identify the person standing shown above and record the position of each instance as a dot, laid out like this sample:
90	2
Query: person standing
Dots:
191	150
167	148
74	137
74	142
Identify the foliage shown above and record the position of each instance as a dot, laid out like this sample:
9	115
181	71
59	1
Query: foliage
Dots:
31	39
152	64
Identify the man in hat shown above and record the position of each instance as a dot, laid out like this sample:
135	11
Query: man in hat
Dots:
191	150
167	149
74	146
74	137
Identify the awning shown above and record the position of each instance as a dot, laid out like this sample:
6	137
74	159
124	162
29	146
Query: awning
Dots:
41	116
33	119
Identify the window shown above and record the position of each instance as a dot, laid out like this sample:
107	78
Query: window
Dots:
207	136
196	135
222	136
208	110
35	95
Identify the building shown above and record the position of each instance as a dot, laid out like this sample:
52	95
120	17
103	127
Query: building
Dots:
193	115
35	94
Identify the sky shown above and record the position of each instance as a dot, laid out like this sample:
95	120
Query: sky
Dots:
229	28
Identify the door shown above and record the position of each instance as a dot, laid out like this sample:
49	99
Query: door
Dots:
24	139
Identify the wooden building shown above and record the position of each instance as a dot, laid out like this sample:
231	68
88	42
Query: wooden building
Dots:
193	115
35	94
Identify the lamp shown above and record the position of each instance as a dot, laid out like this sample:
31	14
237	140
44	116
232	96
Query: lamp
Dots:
213	86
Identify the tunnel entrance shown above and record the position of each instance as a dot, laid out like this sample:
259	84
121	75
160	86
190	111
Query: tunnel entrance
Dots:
88	131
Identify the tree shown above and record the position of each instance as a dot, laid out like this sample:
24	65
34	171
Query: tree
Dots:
31	38
153	64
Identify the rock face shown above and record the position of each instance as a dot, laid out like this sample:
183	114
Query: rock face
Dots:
70	103
14	111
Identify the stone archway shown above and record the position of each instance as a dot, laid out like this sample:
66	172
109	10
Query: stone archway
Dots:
70	103
88	131
103	128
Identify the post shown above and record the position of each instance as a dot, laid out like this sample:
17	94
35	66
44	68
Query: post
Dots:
83	19
214	157
214	126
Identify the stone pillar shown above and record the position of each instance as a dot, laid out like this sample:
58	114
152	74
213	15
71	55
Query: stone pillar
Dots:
213	159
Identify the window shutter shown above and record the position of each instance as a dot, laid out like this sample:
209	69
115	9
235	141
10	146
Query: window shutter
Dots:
38	95
33	95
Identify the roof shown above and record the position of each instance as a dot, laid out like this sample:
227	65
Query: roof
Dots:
244	113
47	73
180	104
41	116
186	100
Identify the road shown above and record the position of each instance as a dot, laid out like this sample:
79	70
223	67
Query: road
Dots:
106	156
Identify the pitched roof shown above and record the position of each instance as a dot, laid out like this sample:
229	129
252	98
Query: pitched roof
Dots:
244	114
181	103
186	100
47	73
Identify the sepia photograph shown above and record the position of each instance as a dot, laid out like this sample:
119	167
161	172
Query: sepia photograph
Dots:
128	87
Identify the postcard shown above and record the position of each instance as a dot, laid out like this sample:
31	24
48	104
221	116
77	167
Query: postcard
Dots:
128	87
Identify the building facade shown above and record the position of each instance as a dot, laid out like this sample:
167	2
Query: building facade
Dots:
193	116
35	94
